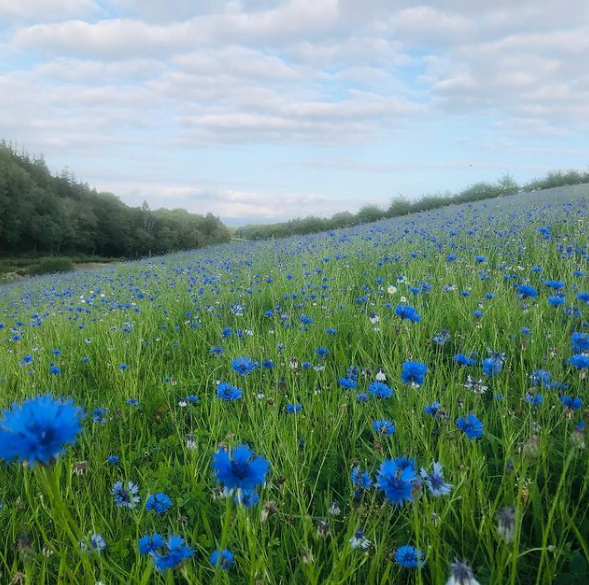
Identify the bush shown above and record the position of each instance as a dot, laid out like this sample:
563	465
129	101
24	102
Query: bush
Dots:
49	265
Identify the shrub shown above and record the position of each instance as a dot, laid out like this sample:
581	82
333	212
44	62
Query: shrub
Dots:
49	265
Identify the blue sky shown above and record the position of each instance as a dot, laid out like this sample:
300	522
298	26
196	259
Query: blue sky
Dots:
260	110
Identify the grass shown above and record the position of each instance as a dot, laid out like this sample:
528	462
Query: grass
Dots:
159	319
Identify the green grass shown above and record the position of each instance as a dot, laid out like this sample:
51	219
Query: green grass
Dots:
311	453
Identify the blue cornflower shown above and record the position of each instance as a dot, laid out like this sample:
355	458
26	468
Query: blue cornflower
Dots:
244	366
113	459
407	313
409	557
227	392
98	415
158	503
132	401
432	409
534	400
583	297
380	390
38	430
580	342
384	427
223	559
492	365
556	301
330	331
322	352
471	426
361	479
94	544
268	364
526	291
247	498
175	552
434	481
395	482
240	468
413	373
464	360
125	497
150	543
53	369
579	361
217	351
293	408
361	397
541	378
347	383
571	402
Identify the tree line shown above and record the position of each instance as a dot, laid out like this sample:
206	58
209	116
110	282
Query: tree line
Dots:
42	213
400	205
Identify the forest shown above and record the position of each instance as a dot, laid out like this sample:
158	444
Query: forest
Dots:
42	213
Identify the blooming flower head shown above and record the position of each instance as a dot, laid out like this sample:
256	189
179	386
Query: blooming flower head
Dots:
359	540
409	557
526	291
93	544
38	430
125	497
243	366
380	390
173	553
240	468
580	342
492	365
384	427
396	482
361	479
579	361
408	313
413	373
227	392
434	481
223	559
471	426
158	503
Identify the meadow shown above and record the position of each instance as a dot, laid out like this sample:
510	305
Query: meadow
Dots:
398	402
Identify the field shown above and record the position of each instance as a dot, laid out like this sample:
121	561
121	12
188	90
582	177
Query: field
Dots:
413	393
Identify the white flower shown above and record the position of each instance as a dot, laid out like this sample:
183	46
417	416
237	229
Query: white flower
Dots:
461	574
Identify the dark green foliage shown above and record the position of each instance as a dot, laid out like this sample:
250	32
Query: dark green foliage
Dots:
399	206
50	265
45	214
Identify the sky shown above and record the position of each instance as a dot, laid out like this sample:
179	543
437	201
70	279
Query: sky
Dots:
260	111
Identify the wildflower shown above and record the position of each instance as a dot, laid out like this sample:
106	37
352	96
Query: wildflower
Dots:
158	503
334	509
384	427
493	365
380	390
98	415
461	574
409	557
413	373
174	553
506	523
580	342
358	540
125	497
396	481
534	400
361	479
408	313
240	468
571	402
247	498
526	291
323	528
113	459
38	430
268	509
244	366
293	408
434	481
464	360
471	426
432	409
476	386
227	392
578	436
94	544
361	397
579	361
347	383
222	559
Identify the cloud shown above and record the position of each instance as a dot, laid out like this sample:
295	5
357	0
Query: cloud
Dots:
14	11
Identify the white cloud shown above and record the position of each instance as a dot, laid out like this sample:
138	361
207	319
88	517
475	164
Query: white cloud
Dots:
12	11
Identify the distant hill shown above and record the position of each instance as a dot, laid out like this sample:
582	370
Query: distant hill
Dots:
41	213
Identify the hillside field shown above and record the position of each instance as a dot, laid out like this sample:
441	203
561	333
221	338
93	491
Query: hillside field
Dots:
398	402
